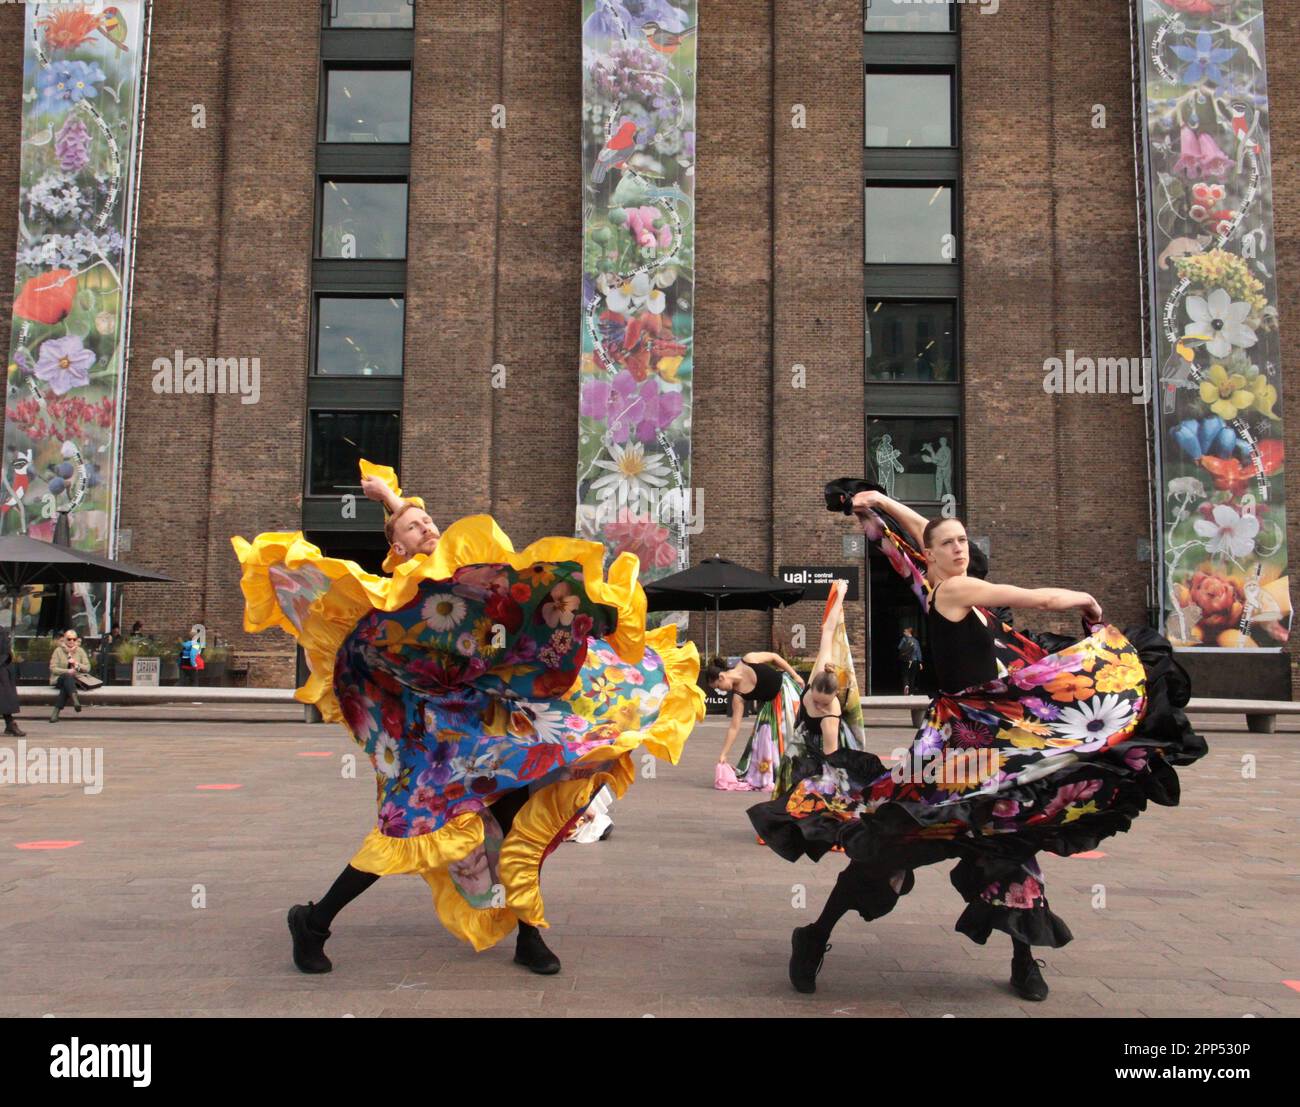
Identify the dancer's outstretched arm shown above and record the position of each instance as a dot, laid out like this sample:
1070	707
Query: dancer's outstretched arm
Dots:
968	592
760	657
737	717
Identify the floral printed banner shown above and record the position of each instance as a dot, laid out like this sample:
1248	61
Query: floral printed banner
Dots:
1218	423
80	105
638	281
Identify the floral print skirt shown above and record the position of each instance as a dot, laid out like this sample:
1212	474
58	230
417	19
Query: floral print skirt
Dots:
472	674
1063	750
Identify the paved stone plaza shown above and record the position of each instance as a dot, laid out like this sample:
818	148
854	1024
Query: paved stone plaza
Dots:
679	913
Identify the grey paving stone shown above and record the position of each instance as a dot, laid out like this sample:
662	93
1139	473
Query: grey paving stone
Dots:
680	914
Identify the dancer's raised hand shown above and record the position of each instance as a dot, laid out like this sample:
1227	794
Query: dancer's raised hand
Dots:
374	488
864	501
1090	609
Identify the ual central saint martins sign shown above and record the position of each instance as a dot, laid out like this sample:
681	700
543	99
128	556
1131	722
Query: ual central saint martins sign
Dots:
816	579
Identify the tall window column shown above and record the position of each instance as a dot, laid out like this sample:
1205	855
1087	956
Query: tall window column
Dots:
912	259
358	317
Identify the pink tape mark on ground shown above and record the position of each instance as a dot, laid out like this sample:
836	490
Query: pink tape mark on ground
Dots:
51	843
217	787
1088	855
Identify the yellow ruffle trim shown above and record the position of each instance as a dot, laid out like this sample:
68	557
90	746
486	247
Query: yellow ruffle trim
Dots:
354	593
545	816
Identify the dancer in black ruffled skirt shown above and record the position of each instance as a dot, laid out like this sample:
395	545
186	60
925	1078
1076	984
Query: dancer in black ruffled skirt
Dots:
1033	743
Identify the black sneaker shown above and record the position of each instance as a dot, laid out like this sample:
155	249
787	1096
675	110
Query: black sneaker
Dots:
16	731
1026	981
806	956
308	941
533	953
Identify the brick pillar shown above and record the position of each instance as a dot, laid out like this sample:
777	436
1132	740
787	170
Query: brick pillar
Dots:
731	426
819	429
262	310
447	425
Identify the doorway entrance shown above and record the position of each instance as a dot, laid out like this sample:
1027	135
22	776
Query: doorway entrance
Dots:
892	606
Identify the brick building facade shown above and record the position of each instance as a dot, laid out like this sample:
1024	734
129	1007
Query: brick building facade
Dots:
1047	261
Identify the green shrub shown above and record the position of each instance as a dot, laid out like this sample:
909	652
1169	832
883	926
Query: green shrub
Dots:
38	649
132	648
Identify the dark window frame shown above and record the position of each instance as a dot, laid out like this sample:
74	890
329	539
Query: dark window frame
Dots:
322	99
958	448
954	218
878	70
322	182
952	23
356	407
954	300
328	11
317	295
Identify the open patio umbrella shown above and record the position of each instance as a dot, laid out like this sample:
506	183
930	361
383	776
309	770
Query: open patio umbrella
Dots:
28	561
719	585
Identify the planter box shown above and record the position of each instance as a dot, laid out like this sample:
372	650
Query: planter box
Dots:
213	674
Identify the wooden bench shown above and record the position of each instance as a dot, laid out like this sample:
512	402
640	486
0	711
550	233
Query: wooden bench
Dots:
1261	715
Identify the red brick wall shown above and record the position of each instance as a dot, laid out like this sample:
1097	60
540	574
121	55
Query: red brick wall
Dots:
1049	263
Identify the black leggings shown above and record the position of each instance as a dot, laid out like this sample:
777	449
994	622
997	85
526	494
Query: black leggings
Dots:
352	882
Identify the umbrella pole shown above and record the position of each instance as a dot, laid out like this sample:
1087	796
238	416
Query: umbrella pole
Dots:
717	622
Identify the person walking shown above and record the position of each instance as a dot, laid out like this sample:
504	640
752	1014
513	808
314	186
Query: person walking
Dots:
909	657
67	660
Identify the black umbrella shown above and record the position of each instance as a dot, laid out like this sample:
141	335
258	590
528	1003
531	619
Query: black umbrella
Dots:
718	585
27	561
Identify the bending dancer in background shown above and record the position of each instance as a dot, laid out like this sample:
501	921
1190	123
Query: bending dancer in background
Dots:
1023	750
769	679
499	696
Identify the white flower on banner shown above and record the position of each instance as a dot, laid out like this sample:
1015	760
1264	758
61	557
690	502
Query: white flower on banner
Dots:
1229	532
1219	321
632	296
633	476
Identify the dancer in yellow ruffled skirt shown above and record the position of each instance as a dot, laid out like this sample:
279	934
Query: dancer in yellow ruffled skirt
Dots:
496	693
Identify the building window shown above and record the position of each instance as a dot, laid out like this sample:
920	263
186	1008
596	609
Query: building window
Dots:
909	109
913	16
369	13
911	340
367	105
360	336
909	224
914	458
340	439
363	219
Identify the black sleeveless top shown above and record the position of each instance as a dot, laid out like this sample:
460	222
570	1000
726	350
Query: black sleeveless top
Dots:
961	653
811	728
767	682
